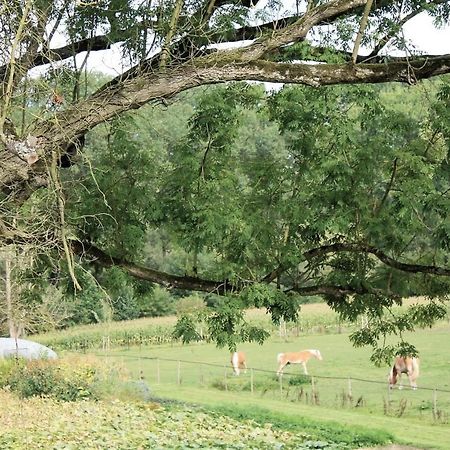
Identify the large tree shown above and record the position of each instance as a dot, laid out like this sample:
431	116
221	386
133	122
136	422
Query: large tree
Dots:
180	36
174	46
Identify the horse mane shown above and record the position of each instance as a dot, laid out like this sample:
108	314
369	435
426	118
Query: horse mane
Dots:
393	374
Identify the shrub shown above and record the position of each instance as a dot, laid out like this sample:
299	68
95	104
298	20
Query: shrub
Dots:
237	384
49	378
297	380
157	303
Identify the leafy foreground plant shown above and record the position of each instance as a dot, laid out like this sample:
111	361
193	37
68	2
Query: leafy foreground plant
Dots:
48	378
43	423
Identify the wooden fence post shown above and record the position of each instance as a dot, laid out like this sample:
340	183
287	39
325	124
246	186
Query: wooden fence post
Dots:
158	378
313	391
225	378
388	406
280	378
202	382
435	412
251	381
350	393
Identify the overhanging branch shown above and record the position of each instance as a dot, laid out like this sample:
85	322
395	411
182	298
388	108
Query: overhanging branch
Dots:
391	262
154	276
224	287
339	291
137	88
198	284
47	56
220	67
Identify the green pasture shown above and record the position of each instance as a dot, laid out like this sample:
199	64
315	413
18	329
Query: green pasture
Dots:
346	391
201	373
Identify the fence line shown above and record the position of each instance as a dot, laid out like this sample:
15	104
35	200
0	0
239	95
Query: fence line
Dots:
273	372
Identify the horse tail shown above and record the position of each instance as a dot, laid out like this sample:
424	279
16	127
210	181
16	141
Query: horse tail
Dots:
280	357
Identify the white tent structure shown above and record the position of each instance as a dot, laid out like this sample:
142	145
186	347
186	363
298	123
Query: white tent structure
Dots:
11	347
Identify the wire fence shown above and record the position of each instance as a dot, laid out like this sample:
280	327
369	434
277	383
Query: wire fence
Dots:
430	403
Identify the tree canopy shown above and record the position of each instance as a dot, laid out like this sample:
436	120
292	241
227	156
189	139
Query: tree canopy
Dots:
324	189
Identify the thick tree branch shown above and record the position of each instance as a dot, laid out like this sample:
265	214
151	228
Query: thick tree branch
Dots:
255	32
338	291
154	276
227	66
300	28
363	248
252	32
197	284
137	88
46	55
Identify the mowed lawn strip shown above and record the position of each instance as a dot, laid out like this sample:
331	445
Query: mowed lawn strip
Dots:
403	431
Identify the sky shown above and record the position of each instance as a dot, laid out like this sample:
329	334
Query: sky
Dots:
420	31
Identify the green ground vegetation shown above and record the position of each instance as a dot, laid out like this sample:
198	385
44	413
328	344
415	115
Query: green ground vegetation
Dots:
198	377
170	372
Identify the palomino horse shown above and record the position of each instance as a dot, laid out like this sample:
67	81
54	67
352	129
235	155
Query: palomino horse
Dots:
238	361
408	365
296	358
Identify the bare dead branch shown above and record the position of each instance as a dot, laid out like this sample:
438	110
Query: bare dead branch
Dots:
362	27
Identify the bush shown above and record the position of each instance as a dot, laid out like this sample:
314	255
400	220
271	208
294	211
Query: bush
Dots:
6	366
49	378
157	303
238	384
297	380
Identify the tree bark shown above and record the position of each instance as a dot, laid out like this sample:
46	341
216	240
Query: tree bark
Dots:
222	287
146	84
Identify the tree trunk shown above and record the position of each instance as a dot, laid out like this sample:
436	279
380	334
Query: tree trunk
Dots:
14	328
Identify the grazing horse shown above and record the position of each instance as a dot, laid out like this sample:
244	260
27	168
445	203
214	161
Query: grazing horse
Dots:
296	358
408	365
238	361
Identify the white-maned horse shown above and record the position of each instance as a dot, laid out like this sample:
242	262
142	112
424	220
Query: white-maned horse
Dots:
408	365
296	358
238	361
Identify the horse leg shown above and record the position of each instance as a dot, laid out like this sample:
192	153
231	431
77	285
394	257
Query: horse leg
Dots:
304	367
280	369
412	381
245	366
400	382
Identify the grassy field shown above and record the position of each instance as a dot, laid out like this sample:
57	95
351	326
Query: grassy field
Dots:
420	417
347	390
